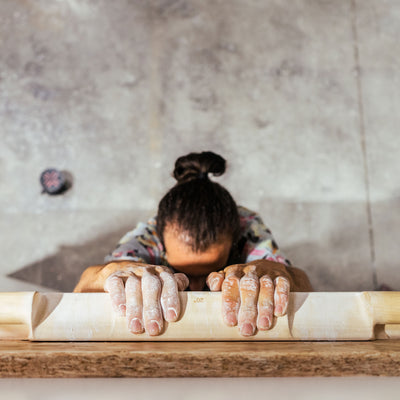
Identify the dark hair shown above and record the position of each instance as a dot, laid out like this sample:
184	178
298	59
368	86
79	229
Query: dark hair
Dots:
198	206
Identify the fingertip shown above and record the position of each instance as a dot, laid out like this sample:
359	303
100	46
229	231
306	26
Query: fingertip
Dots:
153	328
280	310
247	329
171	315
230	319
136	326
264	323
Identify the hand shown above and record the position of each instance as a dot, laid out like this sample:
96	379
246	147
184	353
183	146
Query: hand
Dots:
135	292
252	294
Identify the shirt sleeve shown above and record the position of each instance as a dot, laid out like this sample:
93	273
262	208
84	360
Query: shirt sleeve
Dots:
260	243
142	244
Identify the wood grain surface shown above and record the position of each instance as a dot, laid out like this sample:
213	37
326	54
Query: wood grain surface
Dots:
198	359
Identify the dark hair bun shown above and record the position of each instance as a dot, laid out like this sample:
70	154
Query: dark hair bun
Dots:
198	165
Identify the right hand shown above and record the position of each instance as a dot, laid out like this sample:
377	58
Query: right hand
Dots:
137	291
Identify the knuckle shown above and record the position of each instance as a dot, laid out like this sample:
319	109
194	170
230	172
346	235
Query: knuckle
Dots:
281	280
151	282
133	310
169	299
265	304
251	269
284	291
232	269
113	278
170	291
166	275
231	282
113	286
161	269
266	281
152	313
246	315
248	309
229	269
249	283
281	293
132	282
117	300
230	306
117	297
169	283
231	301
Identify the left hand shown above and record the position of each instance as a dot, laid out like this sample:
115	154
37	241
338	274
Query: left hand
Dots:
252	294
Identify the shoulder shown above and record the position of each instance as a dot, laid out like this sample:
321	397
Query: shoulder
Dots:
141	244
142	229
251	220
245	212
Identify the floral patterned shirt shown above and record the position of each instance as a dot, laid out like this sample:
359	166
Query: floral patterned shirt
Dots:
142	244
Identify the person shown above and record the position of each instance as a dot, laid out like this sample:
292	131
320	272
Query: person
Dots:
199	239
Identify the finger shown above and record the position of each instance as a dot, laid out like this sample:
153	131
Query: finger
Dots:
249	288
231	298
170	302
182	280
281	296
134	304
214	281
152	315
115	286
265	303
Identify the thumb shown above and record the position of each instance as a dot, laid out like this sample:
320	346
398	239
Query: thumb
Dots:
182	280
214	281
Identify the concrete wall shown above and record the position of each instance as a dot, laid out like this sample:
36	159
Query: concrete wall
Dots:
301	98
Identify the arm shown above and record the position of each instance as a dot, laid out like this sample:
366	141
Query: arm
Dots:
88	281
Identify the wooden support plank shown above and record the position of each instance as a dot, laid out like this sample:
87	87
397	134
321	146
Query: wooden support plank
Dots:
198	359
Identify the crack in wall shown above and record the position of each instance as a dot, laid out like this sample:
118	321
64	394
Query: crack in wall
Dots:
363	141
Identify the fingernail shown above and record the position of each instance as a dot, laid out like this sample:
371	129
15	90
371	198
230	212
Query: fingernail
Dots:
230	319
122	310
278	311
136	326
264	323
153	328
171	314
247	329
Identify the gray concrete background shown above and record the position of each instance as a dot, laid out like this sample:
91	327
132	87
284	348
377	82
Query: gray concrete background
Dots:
300	97
305	388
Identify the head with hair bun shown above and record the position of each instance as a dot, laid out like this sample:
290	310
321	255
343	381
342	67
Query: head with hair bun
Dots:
201	212
198	165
